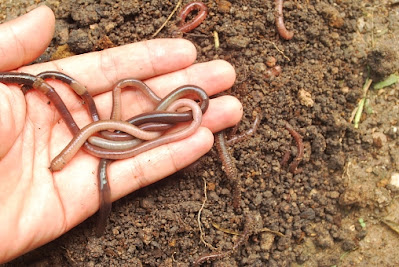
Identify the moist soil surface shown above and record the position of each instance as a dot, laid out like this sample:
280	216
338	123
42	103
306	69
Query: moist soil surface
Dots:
341	209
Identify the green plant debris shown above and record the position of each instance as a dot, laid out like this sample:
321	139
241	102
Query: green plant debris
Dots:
360	106
362	223
392	79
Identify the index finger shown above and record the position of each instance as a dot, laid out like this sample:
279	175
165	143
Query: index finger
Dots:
99	71
25	38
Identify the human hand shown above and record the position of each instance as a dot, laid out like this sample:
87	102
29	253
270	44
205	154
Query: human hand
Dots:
36	205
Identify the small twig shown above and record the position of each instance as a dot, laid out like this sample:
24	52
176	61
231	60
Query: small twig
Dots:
265	229
168	19
360	106
224	230
202	234
221	254
216	38
279	50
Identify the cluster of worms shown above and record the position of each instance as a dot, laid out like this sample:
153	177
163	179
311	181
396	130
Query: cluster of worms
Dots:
115	139
202	12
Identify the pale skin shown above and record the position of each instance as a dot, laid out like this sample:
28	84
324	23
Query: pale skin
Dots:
37	206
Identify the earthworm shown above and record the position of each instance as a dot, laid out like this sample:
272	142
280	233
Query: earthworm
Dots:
116	95
238	138
229	168
79	139
185	91
18	78
112	144
79	89
104	197
293	167
282	30
129	142
227	161
187	9
285	159
66	155
39	84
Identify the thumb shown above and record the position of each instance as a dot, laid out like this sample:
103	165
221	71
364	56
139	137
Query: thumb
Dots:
25	38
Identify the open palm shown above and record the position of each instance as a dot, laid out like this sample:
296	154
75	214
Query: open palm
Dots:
36	206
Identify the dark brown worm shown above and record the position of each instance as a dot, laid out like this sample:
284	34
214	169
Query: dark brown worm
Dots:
238	138
229	168
293	167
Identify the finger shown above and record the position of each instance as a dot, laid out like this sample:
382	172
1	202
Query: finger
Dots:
77	178
223	112
25	38
213	76
99	71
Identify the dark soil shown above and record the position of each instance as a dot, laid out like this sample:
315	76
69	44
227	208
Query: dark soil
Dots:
348	174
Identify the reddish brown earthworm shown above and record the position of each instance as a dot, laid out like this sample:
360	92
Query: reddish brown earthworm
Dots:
79	89
79	139
192	24
285	159
228	162
116	95
71	149
238	138
39	84
282	30
158	118
229	167
293	167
